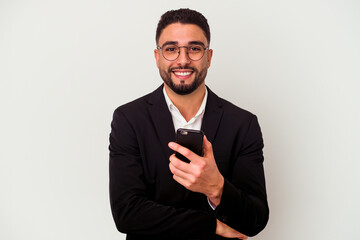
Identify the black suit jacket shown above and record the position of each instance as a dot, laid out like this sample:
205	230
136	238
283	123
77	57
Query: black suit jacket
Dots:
147	203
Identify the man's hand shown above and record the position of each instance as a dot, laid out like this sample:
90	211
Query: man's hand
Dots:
225	231
201	174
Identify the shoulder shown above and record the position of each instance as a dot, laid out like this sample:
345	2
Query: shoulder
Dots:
134	105
229	109
233	109
238	123
139	105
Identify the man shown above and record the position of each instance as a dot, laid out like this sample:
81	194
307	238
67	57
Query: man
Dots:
153	194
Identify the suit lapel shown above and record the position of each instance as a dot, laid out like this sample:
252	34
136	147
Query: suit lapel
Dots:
212	116
162	119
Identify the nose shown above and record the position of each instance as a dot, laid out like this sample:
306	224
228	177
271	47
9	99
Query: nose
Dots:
183	58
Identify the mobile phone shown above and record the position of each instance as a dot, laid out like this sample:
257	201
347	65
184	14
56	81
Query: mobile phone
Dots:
191	139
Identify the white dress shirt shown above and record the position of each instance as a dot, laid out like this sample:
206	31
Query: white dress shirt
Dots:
179	121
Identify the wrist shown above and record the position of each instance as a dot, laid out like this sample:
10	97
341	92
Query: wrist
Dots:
216	194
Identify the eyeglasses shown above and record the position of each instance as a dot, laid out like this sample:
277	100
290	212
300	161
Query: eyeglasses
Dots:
172	52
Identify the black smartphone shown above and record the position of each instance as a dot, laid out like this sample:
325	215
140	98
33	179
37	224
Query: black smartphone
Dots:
191	139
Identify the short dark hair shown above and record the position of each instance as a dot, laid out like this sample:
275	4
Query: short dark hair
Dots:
185	16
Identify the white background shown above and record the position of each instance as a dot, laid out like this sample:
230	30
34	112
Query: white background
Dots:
66	65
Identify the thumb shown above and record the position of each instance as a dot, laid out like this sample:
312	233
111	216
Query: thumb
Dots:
207	146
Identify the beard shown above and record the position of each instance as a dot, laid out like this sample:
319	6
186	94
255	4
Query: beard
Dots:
182	88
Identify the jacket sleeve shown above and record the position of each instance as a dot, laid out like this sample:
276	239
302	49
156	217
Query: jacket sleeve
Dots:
133	210
243	204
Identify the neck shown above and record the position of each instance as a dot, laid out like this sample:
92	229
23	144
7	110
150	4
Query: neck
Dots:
188	104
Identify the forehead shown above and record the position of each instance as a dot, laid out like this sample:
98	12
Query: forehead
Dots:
182	33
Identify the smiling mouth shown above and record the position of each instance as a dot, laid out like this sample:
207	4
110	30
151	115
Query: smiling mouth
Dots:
182	73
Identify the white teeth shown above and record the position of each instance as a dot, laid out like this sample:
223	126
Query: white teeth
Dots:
183	73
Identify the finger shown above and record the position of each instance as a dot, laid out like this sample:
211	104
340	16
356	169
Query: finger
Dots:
176	170
241	236
183	151
181	180
178	162
207	146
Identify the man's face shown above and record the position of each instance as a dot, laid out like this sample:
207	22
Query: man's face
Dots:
183	75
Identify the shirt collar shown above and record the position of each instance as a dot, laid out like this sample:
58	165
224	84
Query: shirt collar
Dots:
172	107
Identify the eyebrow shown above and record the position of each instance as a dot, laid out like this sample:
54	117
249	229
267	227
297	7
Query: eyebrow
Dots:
176	42
197	43
170	43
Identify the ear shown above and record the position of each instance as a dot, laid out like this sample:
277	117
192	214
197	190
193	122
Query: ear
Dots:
157	57
209	55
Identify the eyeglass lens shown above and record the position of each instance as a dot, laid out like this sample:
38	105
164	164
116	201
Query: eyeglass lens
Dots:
172	52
